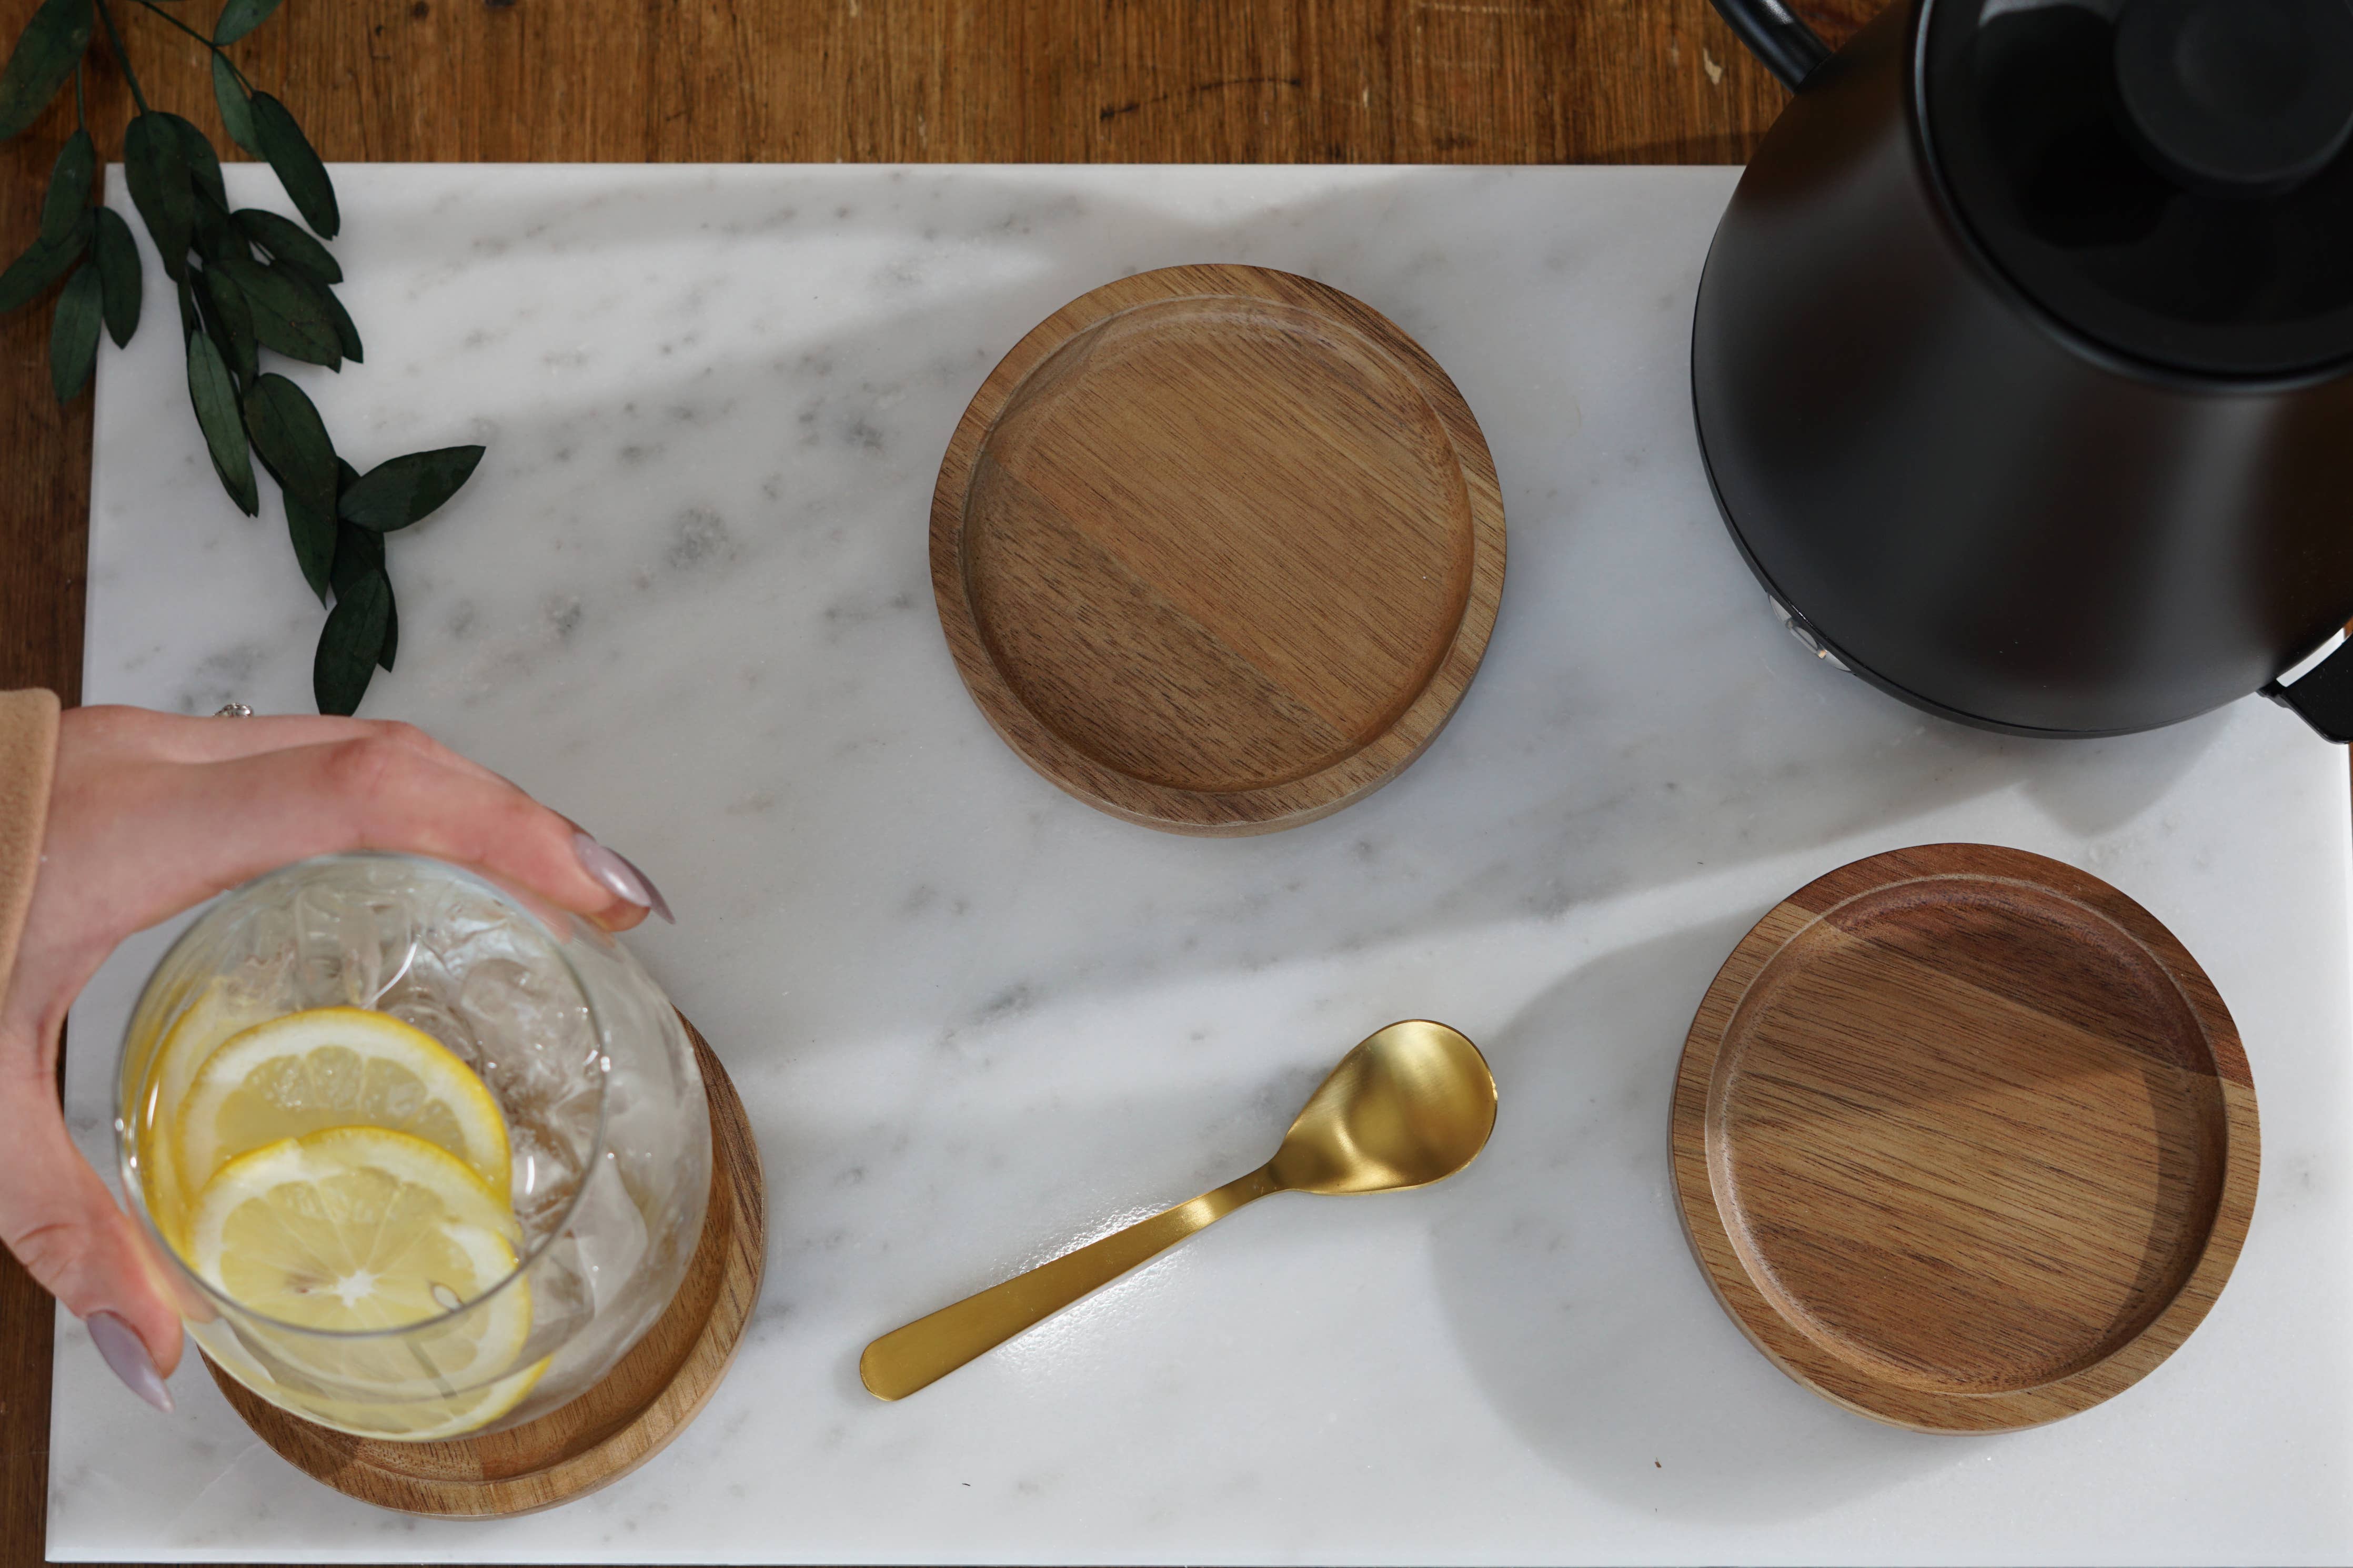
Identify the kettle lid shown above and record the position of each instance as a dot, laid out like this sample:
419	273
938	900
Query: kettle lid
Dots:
2173	179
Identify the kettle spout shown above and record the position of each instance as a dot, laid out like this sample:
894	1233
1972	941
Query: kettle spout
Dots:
1788	48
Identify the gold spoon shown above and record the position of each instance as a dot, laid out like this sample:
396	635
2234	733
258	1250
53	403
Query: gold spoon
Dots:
1411	1105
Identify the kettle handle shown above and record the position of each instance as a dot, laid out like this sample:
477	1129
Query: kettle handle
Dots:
2323	696
1788	48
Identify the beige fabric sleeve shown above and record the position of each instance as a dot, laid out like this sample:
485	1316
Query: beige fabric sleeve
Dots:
28	754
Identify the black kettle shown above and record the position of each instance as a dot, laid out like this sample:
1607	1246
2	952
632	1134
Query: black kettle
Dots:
2023	357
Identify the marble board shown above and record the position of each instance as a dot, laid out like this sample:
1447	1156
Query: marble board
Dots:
975	1022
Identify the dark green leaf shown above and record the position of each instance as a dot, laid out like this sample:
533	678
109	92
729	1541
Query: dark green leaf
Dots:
239	17
397	493
349	645
299	169
331	309
287	315
40	266
347	336
345	477
217	239
68	186
73	334
290	244
204	163
215	397
358	553
312	529
44	57
191	323
292	440
230	315
235	109
157	167
117	255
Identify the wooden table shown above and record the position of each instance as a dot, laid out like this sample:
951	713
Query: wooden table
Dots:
1406	81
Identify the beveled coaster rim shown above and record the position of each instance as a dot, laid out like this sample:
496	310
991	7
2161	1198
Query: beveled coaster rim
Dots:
1753	1304
1174	809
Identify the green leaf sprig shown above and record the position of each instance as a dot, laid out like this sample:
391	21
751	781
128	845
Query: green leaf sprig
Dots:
249	282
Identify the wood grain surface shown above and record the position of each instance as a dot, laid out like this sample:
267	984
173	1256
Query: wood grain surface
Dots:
1217	548
1501	81
625	1420
1963	1139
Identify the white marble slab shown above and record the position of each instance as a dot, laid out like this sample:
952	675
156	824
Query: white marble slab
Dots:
686	599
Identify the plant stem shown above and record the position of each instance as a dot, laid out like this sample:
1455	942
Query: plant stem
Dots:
200	37
106	13
81	119
207	43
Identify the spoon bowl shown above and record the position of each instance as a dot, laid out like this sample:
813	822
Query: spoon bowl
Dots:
1412	1104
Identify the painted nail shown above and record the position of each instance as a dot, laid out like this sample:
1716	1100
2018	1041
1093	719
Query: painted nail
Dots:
127	1357
619	877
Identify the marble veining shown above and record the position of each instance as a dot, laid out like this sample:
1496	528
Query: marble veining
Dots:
687	600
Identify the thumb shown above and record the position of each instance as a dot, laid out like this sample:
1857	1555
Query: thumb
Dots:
63	1225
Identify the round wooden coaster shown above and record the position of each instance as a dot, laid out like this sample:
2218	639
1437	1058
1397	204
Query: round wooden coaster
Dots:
619	1424
1963	1139
1217	548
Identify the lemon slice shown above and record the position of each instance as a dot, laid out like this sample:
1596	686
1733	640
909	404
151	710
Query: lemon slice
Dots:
337	1067
421	1420
216	1014
357	1230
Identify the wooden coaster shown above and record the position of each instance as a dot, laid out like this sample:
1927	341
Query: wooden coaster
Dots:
1217	548
1963	1139
619	1423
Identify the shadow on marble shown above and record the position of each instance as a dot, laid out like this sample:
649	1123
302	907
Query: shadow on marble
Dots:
1090	1165
687	600
2089	788
1662	723
1573	1295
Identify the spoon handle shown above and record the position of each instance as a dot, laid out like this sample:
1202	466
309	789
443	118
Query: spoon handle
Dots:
928	1349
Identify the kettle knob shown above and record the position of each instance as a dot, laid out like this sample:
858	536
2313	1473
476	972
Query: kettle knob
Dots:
2246	98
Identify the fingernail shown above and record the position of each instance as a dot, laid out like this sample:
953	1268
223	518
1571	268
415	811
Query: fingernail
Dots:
127	1356
619	877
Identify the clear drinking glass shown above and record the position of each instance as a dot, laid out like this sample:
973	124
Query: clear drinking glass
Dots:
607	1126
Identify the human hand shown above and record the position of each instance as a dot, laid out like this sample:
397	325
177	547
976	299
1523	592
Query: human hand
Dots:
152	813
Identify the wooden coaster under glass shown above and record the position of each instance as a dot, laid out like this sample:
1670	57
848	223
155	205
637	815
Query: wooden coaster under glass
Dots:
618	1425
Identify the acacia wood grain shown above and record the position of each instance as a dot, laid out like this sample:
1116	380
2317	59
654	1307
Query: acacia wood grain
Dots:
1963	1139
1217	548
751	80
618	1425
